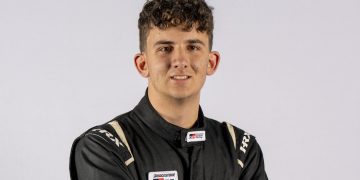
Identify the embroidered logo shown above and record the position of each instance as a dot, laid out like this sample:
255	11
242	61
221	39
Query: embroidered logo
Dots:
245	141
110	136
195	136
163	175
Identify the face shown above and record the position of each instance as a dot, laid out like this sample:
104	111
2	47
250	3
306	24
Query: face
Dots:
176	62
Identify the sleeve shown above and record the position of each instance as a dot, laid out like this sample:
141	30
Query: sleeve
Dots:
96	158
254	168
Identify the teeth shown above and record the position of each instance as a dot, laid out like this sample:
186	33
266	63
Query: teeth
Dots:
180	77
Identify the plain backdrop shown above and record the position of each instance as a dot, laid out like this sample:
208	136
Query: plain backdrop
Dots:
289	74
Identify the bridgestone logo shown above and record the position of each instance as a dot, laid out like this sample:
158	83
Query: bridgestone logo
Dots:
163	175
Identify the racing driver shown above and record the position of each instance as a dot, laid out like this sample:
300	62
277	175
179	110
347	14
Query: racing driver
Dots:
166	136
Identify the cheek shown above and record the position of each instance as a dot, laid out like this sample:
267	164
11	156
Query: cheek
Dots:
158	68
200	66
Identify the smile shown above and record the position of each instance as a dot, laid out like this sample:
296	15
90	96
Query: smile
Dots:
180	77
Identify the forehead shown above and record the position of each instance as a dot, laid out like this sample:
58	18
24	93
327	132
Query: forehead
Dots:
176	34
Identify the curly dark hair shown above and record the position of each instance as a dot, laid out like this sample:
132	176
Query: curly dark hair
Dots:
172	13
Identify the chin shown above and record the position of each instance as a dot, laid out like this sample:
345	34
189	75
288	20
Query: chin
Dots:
182	95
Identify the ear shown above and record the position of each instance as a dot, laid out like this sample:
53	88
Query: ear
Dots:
214	60
141	64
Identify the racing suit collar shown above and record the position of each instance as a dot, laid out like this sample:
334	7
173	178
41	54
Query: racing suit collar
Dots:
172	133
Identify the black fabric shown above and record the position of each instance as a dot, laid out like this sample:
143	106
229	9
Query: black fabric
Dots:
160	146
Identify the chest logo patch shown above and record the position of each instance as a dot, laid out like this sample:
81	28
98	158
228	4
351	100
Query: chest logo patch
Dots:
195	136
163	175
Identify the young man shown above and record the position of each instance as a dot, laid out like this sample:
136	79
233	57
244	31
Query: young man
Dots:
166	136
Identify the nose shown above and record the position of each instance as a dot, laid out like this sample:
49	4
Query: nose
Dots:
180	59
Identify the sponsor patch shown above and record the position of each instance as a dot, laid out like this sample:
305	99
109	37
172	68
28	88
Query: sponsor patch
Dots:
195	136
163	175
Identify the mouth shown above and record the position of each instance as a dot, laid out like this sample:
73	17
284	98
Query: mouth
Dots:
180	77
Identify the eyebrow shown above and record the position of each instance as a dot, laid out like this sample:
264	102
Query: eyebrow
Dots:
190	41
195	41
162	42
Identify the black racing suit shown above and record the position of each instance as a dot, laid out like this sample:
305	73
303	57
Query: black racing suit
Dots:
157	145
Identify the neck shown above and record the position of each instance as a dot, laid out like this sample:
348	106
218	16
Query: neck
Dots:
180	112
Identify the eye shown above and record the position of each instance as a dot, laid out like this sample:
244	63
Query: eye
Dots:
165	49
193	48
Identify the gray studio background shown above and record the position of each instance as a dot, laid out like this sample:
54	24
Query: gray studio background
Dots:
289	75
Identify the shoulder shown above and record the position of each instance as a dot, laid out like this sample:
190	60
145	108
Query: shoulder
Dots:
102	134
99	151
249	154
108	136
244	143
99	141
